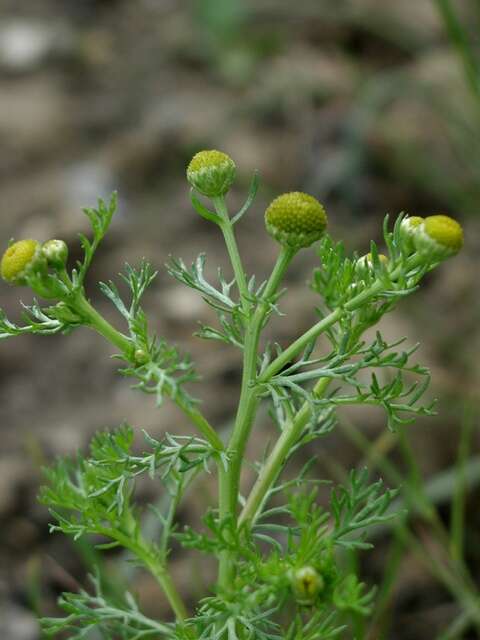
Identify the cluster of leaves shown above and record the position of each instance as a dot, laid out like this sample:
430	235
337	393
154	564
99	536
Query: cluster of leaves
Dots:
93	613
94	495
231	315
267	596
346	366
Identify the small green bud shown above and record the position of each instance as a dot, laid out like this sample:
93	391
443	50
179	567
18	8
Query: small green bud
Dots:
307	584
364	264
20	259
56	253
296	220
439	236
211	173
409	228
141	356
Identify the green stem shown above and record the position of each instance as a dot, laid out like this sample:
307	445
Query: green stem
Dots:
97	322
229	482
275	460
140	548
200	422
232	248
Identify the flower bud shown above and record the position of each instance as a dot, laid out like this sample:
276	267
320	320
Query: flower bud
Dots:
307	584
409	227
296	220
56	253
364	264
439	237
141	356
211	173
20	259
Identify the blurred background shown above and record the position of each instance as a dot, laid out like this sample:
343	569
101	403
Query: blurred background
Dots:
373	106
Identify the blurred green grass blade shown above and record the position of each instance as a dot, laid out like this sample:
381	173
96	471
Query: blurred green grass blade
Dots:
459	38
456	628
461	484
382	619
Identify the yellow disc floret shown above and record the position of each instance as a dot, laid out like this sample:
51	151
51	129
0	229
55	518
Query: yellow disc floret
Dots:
19	259
211	172
439	236
446	231
296	219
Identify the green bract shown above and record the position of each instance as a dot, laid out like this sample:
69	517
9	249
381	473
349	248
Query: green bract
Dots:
211	173
409	228
296	219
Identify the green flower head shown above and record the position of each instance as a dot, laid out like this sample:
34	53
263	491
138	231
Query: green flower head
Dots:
439	236
211	173
20	259
296	219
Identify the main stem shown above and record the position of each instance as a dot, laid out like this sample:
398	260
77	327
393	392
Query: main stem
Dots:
229	482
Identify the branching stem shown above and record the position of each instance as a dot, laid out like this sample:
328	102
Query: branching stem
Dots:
322	325
97	322
275	461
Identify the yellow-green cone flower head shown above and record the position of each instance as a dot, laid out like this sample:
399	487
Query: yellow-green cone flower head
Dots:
56	253
296	219
20	259
409	227
307	584
439	236
211	173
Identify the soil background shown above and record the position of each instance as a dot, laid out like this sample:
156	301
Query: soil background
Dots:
364	104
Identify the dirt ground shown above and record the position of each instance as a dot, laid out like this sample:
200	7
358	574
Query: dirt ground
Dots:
363	104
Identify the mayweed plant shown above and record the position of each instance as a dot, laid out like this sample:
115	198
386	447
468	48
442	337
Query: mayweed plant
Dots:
280	551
